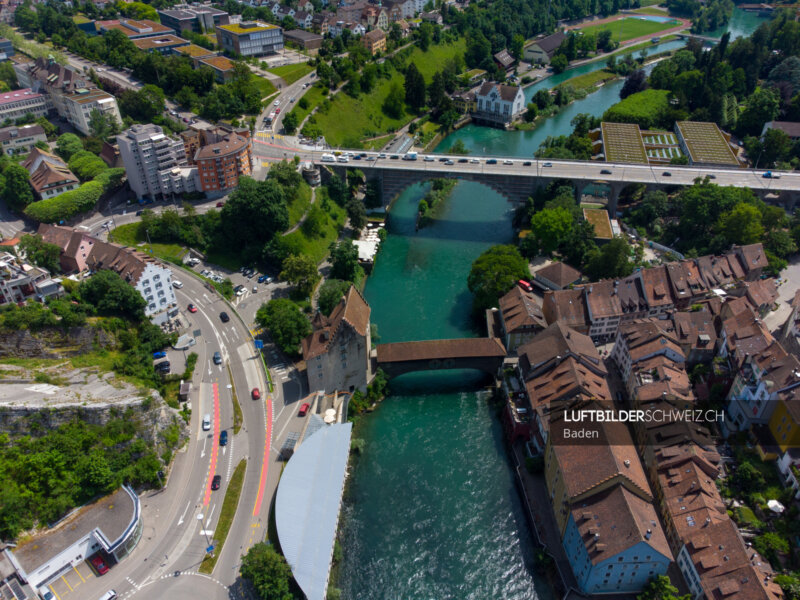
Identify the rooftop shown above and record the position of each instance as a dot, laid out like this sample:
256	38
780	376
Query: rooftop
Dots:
220	63
19	96
160	41
232	144
195	51
559	273
705	143
622	143
598	217
247	27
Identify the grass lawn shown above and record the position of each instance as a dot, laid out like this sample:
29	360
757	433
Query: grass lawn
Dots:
300	204
317	247
237	409
264	86
349	120
226	515
130	235
588	81
651	11
630	27
313	96
79	19
291	73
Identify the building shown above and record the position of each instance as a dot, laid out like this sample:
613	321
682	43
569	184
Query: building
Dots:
464	102
199	18
156	163
20	281
195	52
163	44
499	103
374	41
15	105
695	333
304	39
431	17
521	318
557	276
753	259
567	307
81	104
790	128
220	164
15	140
223	67
252	38
504	61
6	49
134	29
338	349
762	294
705	144
304	19
49	175
541	50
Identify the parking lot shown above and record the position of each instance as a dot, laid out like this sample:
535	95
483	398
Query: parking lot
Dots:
67	586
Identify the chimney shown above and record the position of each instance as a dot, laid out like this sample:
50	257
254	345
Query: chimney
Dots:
627	463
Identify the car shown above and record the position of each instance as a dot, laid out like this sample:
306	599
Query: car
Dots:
99	564
237	288
711	176
605	171
255	289
217	358
304	409
191	308
305	85
666	174
527	163
357	157
159	354
255	394
291	99
525	285
268	280
463	160
449	162
48	595
177	284
241	292
381	155
364	155
185	120
547	164
215	482
277	111
429	159
162	367
250	274
443	159
770	175
276	103
491	161
394	157
223	438
139	213
261	278
223	316
220	204
508	162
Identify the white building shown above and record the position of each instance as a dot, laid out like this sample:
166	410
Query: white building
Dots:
156	163
78	108
499	103
16	140
17	104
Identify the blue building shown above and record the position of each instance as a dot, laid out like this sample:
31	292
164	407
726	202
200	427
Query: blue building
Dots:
6	49
615	543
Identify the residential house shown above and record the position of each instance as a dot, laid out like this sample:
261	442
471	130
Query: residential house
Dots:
521	318
221	164
504	61
338	349
790	128
49	175
303	19
761	294
15	140
638	341
319	22
557	276
753	259
20	281
305	5
499	103
657	290
541	50
685	283
374	41
567	307
405	28
790	331
408	9
464	101
431	17
604	309
695	333
394	11
374	17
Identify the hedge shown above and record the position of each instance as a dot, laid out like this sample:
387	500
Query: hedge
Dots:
647	109
69	204
86	165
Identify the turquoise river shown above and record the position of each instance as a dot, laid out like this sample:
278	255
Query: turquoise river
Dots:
431	510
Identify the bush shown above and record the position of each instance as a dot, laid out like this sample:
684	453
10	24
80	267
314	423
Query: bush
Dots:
86	165
74	202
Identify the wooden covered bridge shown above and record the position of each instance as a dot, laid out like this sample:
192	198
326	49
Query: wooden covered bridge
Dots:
484	354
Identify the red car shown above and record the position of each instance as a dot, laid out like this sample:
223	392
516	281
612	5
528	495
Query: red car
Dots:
256	394
220	204
192	308
99	564
277	111
304	409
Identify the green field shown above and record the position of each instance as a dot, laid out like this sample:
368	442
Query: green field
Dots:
629	28
291	73
348	120
130	235
589	81
314	96
299	206
264	86
317	247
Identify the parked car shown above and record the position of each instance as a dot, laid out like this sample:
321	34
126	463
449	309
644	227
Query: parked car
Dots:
255	289
206	422
217	358
159	354
256	394
304	409
220	204
223	438
191	308
216	482
162	367
223	316
525	285
99	564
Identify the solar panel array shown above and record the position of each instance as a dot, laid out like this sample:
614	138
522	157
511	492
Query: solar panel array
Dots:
622	143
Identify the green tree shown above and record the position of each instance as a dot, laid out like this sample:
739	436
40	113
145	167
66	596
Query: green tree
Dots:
543	99
344	261
143	105
102	125
356	213
550	227
612	260
40	253
414	87
112	296
267	571
393	103
531	113
330	293
741	225
301	271
254	212
286	324
780	242
17	191
494	273
763	105
459	147
661	588
559	63
478	53
68	144
290	122
517	46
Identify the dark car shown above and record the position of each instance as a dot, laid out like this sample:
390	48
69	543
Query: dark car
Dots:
215	482
443	159
667	174
223	438
163	366
217	358
262	278
220	204
394	157
139	213
159	354
463	160
357	157
527	163
223	316
491	161
99	564
605	171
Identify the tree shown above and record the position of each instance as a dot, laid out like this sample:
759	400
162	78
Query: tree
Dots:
144	104
330	294
494	273
344	261
17	191
425	33
543	99
517	46
661	588
559	63
102	125
531	113
290	122
763	105
254	212
393	103
414	87
478	53
635	82
459	147
356	213
268	572
68	144
40	253
286	324
612	260
112	296
741	225
301	271
436	90
549	227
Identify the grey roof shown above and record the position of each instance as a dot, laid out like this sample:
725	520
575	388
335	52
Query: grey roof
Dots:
307	506
551	43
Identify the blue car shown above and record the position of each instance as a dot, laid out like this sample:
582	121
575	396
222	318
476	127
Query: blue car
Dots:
262	278
161	354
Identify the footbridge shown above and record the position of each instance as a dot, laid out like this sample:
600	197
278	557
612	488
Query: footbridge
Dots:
484	354
517	179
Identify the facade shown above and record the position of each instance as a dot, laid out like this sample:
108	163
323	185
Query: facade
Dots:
520	318
499	103
222	67
15	140
15	105
337	351
80	104
20	281
219	165
374	41
156	163
198	18
541	50
6	49
252	38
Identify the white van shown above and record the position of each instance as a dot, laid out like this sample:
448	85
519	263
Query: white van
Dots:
410	156
109	595
328	158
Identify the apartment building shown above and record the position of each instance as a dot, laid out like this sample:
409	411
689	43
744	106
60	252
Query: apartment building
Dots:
49	175
20	281
252	38
374	41
220	164
156	163
15	105
79	106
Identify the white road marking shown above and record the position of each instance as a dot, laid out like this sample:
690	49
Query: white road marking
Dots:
188	504
205	439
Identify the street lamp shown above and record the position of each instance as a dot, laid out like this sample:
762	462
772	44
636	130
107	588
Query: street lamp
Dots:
205	533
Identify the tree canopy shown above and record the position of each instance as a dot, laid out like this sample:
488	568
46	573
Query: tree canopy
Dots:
494	273
112	296
267	571
286	324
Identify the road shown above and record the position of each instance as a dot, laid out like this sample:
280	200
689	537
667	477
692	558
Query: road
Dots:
283	101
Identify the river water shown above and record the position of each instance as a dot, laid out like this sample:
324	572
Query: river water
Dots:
431	510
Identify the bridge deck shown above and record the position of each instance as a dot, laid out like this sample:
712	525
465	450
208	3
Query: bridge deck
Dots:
440	349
